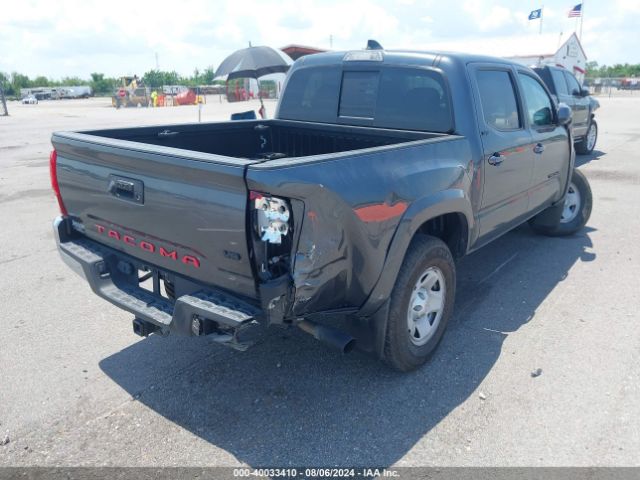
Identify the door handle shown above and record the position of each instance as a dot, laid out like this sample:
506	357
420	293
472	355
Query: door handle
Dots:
539	148
496	159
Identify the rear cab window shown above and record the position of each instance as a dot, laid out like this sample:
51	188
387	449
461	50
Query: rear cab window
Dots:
405	98
359	94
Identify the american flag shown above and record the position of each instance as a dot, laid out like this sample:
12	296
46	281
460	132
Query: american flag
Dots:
576	11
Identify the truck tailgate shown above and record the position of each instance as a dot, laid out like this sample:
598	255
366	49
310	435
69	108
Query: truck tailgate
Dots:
179	210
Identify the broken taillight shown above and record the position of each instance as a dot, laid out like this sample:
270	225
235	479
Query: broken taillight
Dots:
53	173
272	217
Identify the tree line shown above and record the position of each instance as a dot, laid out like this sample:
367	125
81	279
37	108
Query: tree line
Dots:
101	85
613	71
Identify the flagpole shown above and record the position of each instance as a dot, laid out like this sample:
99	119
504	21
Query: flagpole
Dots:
541	16
581	19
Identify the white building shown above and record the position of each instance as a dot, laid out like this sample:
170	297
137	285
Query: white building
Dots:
569	55
562	50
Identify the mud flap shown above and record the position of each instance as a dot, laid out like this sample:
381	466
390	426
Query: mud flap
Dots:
370	332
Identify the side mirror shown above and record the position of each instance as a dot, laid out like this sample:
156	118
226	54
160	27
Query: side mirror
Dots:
564	114
584	92
542	116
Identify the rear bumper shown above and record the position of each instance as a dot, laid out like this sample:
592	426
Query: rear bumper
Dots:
113	276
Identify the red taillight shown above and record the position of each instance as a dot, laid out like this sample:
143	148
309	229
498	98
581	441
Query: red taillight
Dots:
254	195
53	173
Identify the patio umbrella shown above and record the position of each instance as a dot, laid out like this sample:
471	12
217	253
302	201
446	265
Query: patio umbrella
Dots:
253	62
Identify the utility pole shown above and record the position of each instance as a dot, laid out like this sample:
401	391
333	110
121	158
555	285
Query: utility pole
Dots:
157	62
331	42
3	102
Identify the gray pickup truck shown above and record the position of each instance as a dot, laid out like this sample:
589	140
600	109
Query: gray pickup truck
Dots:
379	170
564	88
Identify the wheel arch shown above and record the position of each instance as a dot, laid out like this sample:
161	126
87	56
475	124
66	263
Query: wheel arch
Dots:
446	215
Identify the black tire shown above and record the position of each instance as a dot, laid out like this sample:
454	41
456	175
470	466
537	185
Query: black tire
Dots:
582	147
424	253
582	211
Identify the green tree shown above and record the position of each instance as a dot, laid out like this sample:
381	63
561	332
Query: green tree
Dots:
208	76
158	78
18	82
4	80
153	78
591	69
73	81
171	78
617	70
40	81
101	85
5	83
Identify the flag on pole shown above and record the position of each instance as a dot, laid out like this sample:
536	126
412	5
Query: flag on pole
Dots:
576	11
535	14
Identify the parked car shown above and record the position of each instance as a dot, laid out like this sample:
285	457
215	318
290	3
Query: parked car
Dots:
566	89
379	170
30	100
629	84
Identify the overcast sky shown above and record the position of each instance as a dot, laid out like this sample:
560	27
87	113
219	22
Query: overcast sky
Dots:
69	38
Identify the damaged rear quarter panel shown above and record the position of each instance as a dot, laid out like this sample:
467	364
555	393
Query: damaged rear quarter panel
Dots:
353	204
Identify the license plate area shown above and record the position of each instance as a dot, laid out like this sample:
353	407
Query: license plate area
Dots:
156	281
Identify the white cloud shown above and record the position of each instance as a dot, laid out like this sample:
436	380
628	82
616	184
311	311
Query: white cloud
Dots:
78	37
486	16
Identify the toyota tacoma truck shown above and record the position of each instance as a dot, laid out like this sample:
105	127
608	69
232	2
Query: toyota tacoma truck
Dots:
379	170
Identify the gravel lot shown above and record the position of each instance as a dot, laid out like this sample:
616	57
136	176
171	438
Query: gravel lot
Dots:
77	387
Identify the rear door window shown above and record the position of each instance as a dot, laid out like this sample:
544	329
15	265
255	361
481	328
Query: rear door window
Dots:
572	83
414	99
498	99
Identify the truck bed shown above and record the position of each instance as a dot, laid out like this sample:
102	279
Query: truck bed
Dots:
266	139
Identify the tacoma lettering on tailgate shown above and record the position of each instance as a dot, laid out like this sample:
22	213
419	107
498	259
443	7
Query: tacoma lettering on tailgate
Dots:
148	246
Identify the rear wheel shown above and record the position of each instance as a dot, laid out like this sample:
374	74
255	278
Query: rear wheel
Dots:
588	143
421	303
576	209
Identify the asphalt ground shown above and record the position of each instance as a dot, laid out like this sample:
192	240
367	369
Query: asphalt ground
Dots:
77	387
